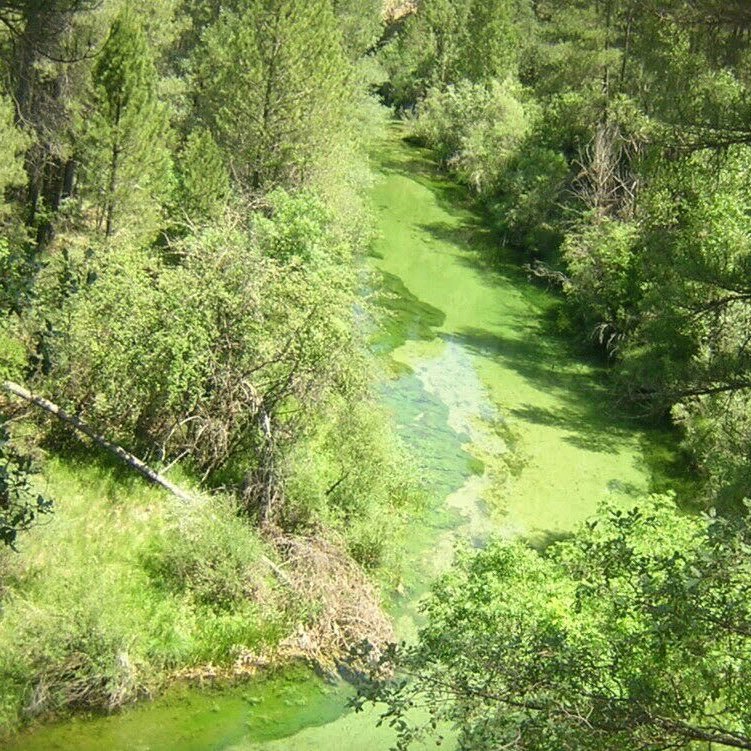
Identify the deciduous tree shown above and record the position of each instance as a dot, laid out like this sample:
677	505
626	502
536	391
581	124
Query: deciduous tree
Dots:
635	634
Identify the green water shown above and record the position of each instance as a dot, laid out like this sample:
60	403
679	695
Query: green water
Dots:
512	432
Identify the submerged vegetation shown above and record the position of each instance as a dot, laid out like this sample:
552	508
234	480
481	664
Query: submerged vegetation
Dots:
607	143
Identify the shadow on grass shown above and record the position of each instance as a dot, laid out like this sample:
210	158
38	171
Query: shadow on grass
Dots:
115	478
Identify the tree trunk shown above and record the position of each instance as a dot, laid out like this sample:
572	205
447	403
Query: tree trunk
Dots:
113	448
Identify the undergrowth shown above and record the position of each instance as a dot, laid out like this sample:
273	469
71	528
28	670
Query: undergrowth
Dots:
124	587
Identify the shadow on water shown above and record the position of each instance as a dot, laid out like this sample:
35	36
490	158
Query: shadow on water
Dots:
417	163
463	235
484	252
592	425
588	410
531	342
404	316
541	539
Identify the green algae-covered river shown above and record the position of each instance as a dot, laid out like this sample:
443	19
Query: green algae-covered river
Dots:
512	432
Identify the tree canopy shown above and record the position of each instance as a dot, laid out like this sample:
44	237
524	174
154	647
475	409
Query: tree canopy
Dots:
633	634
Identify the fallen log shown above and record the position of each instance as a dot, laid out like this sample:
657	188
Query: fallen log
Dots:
132	461
75	422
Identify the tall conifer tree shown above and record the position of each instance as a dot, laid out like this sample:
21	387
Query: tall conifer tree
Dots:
128	161
273	88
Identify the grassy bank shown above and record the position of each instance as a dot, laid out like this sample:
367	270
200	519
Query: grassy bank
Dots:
125	587
120	587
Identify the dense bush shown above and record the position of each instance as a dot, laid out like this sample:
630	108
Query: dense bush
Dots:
474	128
20	506
600	259
351	473
631	634
189	356
528	204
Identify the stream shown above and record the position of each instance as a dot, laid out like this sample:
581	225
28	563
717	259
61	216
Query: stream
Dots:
512	432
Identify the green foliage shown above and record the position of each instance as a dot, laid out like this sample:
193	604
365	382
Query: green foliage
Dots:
361	25
18	267
350	473
272	82
448	41
13	355
203	314
474	128
106	600
581	46
424	53
128	167
190	357
600	261
215	562
207	552
634	634
717	434
690	347
527	208
20	506
203	187
496	30
13	143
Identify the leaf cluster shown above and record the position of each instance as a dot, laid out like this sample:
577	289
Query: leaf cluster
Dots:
633	634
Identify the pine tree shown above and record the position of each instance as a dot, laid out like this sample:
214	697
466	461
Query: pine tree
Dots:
493	38
128	168
273	88
202	179
362	24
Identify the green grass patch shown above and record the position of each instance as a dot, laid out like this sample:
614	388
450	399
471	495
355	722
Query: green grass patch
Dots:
120	587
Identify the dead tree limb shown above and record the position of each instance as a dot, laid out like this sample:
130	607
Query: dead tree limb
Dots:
113	448
132	461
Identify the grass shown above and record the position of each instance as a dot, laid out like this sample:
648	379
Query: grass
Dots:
122	586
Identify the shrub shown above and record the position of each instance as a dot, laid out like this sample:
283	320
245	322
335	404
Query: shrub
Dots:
210	553
352	474
474	128
528	208
190	357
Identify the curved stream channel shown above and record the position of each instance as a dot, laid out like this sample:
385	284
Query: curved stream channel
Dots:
511	430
